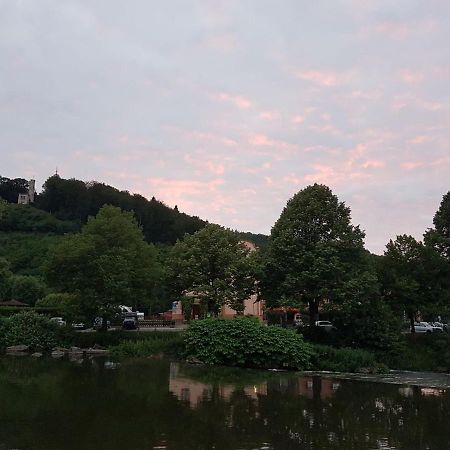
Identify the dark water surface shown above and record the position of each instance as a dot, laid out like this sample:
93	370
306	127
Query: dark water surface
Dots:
156	404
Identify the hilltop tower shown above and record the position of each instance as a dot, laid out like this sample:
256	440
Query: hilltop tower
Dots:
25	199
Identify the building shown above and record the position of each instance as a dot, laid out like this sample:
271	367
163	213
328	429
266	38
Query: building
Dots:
27	198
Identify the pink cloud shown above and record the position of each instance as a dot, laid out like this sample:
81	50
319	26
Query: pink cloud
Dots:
373	164
269	115
392	29
411	77
239	101
411	165
418	140
323	77
266	166
216	169
225	42
259	140
298	119
204	136
178	192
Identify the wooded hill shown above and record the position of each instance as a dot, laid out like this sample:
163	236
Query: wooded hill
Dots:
69	203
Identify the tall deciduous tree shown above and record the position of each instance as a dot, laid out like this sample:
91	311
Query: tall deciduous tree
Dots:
410	277
439	236
213	266
313	250
105	265
27	288
11	188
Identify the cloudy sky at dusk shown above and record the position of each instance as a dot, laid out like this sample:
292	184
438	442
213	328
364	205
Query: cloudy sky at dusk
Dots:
227	108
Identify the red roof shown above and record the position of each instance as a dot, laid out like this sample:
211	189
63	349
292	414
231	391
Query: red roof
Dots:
12	303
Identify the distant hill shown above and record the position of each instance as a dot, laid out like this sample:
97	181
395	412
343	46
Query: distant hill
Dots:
260	240
65	204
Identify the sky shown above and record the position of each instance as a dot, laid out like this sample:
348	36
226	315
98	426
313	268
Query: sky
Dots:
228	108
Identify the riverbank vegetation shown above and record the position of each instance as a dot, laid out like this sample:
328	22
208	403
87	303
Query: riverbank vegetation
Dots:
83	249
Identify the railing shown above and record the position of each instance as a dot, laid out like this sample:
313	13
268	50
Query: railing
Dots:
155	323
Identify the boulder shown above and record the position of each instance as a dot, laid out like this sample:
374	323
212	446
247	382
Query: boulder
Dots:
57	354
37	355
17	348
98	347
96	351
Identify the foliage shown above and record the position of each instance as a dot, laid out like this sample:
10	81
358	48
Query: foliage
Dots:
439	236
76	200
313	250
171	344
422	352
411	277
245	342
343	359
363	319
107	264
26	218
11	188
5	276
27	288
213	266
66	304
26	252
30	328
115	337
260	240
57	300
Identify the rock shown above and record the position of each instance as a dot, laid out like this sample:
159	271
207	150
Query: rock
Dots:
37	355
98	347
76	350
57	354
18	348
193	360
96	351
61	349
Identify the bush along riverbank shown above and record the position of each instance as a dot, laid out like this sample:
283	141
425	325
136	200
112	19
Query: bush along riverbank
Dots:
241	342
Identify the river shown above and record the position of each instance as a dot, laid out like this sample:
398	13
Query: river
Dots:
158	404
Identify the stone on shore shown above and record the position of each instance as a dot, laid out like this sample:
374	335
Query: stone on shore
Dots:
17	348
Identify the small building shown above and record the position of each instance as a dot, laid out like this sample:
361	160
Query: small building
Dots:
27	198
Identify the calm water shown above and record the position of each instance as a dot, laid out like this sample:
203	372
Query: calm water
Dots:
155	404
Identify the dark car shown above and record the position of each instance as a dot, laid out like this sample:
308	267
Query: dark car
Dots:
130	322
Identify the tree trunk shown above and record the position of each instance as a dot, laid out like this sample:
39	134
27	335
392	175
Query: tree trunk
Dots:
411	321
313	312
104	326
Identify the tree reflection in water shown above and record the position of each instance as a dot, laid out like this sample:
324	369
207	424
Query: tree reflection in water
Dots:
153	403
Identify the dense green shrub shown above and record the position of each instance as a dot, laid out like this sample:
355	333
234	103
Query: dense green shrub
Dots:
115	337
422	352
29	328
245	342
170	344
343	359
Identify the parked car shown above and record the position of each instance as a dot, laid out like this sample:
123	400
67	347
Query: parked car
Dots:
130	322
58	320
437	327
127	309
423	327
298	322
98	323
325	324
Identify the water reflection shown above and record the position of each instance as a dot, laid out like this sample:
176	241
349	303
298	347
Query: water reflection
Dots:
194	392
150	404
